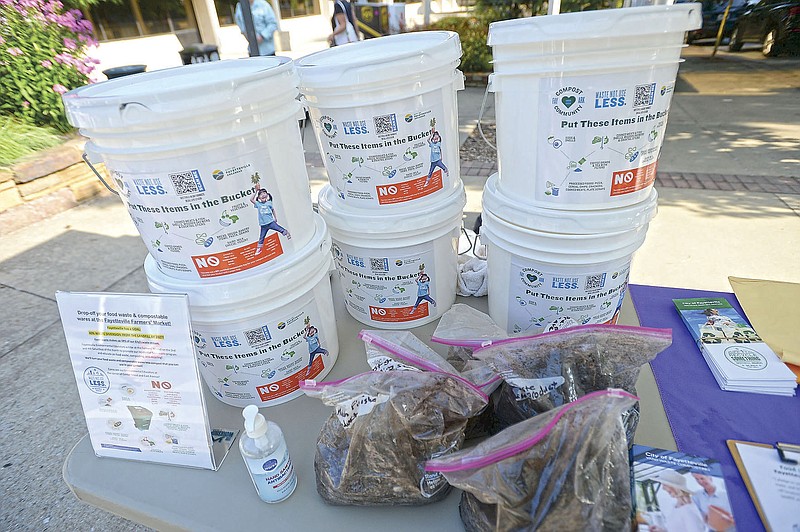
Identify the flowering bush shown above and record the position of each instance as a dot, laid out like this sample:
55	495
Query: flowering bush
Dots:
42	56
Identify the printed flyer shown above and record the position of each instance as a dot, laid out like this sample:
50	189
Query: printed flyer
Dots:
137	377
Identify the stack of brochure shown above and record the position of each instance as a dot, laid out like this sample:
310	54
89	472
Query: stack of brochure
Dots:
738	358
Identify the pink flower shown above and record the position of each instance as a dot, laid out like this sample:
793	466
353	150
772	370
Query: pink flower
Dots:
46	63
61	89
26	104
69	44
15	51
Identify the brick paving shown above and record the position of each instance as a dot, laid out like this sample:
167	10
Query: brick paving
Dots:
699	181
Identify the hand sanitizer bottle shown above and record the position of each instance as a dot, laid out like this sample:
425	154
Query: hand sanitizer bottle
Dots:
264	451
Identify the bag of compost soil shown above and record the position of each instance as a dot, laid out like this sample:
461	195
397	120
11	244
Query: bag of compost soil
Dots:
385	426
566	469
548	370
402	350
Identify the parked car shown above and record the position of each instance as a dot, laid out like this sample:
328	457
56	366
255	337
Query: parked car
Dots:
773	23
713	11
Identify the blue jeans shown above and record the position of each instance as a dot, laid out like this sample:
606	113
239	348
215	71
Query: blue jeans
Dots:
317	351
434	164
427	298
264	228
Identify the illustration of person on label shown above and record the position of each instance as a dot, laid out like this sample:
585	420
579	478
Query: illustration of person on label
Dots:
713	317
262	200
435	143
314	347
423	289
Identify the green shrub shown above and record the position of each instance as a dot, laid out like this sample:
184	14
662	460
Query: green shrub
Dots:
42	55
473	32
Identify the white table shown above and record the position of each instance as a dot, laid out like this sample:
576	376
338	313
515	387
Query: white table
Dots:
175	498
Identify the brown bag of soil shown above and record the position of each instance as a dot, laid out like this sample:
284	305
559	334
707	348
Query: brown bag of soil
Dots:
566	469
548	370
385	426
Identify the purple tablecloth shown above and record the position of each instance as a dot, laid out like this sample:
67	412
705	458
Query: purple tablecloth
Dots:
701	415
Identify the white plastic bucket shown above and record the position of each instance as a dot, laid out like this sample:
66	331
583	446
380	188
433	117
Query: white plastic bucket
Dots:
254	334
185	147
397	270
582	101
541	281
567	222
376	107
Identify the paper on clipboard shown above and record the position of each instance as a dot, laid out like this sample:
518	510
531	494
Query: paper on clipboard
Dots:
773	484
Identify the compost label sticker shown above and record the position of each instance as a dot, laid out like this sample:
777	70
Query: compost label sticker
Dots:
211	220
263	360
387	286
540	300
389	153
600	135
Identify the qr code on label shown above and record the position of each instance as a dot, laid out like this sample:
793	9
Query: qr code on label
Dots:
593	282
379	265
644	95
385	124
188	182
258	337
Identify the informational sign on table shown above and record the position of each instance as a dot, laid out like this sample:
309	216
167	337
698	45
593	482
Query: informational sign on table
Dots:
138	380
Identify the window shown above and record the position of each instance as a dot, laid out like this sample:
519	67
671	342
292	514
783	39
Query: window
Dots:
136	18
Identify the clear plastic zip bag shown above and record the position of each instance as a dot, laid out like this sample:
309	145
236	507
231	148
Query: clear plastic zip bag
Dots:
402	350
566	469
548	370
385	425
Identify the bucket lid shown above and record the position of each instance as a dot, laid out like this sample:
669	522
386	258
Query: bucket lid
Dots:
567	222
265	283
179	92
389	58
602	23
416	217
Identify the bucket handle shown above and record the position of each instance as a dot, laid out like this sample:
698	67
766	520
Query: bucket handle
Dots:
483	109
85	158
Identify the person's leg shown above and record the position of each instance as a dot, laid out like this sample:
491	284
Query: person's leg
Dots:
429	299
275	227
261	237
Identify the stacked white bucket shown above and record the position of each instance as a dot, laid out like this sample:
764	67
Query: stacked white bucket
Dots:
581	104
188	149
386	119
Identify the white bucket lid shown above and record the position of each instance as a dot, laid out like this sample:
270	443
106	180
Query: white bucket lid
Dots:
385	59
567	222
181	92
603	23
388	224
266	283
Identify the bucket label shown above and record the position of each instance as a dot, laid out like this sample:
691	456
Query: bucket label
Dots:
265	360
390	153
542	301
387	287
209	221
600	135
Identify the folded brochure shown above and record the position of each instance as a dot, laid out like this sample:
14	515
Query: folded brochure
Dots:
677	491
736	355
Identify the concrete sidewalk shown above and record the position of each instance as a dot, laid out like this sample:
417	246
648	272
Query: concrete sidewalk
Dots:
740	119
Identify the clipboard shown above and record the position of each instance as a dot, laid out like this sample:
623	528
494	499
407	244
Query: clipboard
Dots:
780	452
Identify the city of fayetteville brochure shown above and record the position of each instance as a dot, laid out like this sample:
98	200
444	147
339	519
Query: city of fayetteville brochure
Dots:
677	491
736	355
